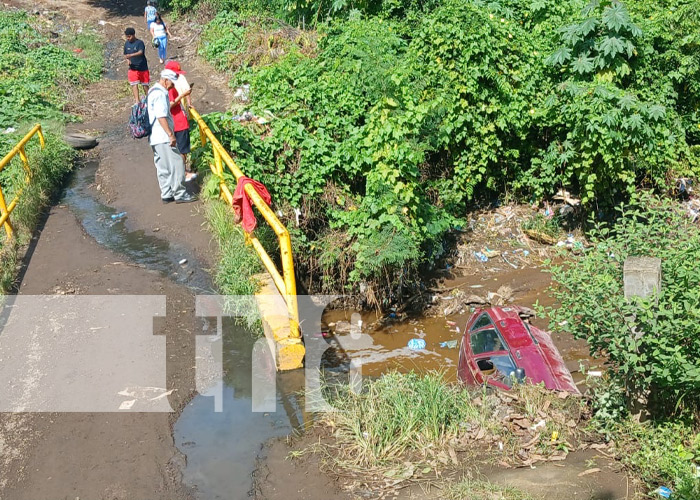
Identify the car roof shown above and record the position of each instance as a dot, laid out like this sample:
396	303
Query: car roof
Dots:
510	325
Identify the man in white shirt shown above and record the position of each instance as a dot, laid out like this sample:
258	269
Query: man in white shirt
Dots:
170	167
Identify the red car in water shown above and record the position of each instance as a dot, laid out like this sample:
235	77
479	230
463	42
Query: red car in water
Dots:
499	346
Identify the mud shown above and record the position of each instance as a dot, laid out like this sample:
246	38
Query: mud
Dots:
193	452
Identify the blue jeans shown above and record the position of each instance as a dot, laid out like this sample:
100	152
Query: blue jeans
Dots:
163	47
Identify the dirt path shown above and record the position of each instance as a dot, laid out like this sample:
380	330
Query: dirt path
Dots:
112	455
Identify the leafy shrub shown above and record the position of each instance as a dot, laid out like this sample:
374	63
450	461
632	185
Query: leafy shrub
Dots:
663	358
388	132
662	454
222	37
608	136
36	73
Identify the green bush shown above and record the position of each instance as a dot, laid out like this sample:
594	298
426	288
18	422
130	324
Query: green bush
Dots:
653	345
389	132
663	454
35	73
222	38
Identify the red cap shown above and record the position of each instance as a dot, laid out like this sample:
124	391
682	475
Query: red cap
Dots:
175	66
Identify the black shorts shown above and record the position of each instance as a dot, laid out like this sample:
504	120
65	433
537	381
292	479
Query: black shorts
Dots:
182	138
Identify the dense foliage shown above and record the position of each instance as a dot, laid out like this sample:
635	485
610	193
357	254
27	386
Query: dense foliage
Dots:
35	71
409	111
652	345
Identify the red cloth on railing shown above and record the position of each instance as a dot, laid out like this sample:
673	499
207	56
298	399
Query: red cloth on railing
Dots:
241	203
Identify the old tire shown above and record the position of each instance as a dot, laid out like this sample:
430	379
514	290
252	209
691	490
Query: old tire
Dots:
80	141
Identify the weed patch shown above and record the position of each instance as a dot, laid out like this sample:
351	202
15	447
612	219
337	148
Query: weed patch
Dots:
49	168
237	263
422	420
37	71
661	454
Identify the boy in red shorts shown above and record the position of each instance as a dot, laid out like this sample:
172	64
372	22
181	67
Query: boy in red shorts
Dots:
135	55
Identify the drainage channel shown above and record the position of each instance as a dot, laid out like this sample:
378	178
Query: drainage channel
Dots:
222	447
111	231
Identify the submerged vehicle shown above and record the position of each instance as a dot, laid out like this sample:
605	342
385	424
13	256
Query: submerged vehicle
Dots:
500	347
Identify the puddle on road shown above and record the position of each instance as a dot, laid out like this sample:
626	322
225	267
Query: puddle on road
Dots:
153	253
222	448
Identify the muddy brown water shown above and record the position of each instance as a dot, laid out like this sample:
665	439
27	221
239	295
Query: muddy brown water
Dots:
387	346
220	448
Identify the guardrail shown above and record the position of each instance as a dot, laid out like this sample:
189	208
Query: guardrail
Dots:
5	209
285	282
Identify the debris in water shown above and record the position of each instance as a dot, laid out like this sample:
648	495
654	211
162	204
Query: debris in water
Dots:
416	344
118	216
183	262
450	344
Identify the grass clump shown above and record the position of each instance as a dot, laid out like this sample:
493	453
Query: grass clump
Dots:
237	263
475	489
544	229
400	413
49	168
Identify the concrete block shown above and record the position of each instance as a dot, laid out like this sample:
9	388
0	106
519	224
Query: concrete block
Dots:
287	351
642	276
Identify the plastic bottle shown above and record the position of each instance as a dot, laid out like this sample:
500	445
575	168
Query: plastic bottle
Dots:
118	216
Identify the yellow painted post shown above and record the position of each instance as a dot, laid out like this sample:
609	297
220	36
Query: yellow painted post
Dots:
20	150
25	160
3	209
290	284
42	141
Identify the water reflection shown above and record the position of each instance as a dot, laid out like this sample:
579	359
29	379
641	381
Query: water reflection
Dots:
222	448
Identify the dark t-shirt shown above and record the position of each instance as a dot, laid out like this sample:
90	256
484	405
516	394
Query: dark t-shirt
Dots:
137	63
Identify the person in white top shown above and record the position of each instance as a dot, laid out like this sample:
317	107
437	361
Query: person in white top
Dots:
170	167
160	33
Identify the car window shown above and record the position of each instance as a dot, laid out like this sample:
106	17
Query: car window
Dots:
487	341
498	368
482	322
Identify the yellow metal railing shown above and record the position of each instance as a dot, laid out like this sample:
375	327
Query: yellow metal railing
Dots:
286	282
5	209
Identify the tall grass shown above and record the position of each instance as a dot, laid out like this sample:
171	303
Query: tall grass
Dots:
49	168
398	413
237	263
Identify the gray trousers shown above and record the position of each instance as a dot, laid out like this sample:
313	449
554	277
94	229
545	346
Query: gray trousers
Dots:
170	169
